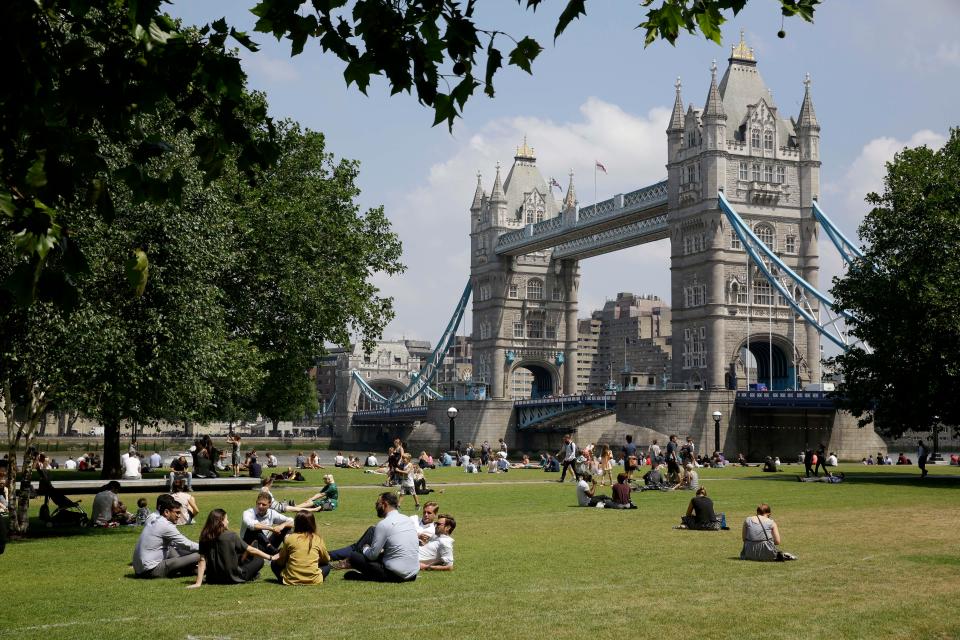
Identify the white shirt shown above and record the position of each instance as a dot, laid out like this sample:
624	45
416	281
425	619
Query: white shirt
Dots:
582	498
250	519
429	529
131	467
338	460
70	464
438	550
372	461
155	461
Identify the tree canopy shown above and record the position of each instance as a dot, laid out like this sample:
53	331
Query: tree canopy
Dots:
427	46
904	295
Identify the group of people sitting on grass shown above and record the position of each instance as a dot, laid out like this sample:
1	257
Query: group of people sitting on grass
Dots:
396	549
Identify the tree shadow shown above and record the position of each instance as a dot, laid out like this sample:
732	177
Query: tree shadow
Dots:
932	481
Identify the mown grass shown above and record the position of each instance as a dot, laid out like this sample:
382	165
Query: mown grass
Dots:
878	559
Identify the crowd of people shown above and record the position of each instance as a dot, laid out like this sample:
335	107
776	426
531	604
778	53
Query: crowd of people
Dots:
395	549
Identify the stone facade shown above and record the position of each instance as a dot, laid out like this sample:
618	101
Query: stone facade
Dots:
524	307
769	169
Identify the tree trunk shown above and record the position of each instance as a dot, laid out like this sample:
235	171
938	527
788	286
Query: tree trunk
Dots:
61	423
276	423
111	449
20	516
188	429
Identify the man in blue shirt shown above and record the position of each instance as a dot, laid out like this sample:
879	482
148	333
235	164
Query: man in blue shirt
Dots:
387	552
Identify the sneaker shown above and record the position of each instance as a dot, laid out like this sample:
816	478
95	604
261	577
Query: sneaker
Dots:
291	503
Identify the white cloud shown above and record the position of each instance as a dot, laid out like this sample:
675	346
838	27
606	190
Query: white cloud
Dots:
268	70
432	218
948	54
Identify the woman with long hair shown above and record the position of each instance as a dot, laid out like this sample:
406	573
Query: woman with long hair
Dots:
606	466
224	557
303	557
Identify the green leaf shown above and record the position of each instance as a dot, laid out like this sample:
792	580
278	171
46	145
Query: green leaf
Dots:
244	39
709	22
6	204
36	175
574	9
524	53
494	62
137	268
444	109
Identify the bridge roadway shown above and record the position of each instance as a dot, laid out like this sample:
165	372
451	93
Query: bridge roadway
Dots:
534	410
622	221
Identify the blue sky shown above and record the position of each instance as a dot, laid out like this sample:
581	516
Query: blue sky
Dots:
884	76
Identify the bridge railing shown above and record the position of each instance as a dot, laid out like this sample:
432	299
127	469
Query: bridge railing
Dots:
576	399
821	399
393	411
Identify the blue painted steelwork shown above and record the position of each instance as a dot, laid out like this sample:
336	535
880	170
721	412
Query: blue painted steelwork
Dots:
420	383
848	251
391	414
784	399
530	412
768	262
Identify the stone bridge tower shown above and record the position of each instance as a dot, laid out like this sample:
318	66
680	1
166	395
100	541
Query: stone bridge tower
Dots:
524	307
768	166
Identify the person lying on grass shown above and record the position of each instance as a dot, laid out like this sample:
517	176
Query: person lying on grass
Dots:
831	479
436	554
224	557
327	500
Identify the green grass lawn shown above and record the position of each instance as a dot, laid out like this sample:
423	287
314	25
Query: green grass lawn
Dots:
878	558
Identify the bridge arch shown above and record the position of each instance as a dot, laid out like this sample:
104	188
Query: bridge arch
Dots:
543	379
769	361
386	387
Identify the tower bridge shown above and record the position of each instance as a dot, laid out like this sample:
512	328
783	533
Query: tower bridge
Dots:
738	207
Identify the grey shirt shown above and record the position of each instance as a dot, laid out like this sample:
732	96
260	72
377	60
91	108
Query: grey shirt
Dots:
396	537
103	506
158	536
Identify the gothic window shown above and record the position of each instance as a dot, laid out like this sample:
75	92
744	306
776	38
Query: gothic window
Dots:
768	140
513	290
691	173
533	208
551	332
756	173
765	234
744	171
781	175
755	138
535	289
735	241
768	173
742	294
557	294
517	328
535	329
790	246
762	293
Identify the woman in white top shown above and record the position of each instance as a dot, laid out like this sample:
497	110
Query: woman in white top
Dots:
188	506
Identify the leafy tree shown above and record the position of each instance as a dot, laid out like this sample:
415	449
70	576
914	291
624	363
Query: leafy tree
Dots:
308	253
79	76
426	45
905	294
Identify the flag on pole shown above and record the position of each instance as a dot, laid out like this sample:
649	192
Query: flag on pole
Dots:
601	167
554	183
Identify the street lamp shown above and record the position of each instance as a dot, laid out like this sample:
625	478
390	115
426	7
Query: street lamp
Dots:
452	414
936	439
716	430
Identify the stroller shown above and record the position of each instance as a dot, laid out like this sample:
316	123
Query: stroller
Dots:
67	513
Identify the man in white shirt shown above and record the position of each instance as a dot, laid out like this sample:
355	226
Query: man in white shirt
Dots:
162	551
437	553
425	524
263	527
272	461
155	461
371	461
70	464
339	460
586	492
567	456
131	467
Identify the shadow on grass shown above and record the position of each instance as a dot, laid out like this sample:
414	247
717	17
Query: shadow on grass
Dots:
39	531
867	477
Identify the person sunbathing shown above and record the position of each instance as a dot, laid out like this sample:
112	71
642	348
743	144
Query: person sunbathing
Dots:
326	500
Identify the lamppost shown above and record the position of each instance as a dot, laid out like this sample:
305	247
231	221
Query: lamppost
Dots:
936	439
716	430
452	414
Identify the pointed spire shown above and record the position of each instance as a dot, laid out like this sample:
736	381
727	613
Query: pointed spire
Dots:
497	194
676	119
570	200
807	117
477	195
714	105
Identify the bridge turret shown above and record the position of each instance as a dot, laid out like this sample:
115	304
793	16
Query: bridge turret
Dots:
808	137
675	130
570	200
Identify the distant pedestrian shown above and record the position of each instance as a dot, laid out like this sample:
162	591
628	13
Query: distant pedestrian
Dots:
629	451
922	458
235	454
568	457
808	462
